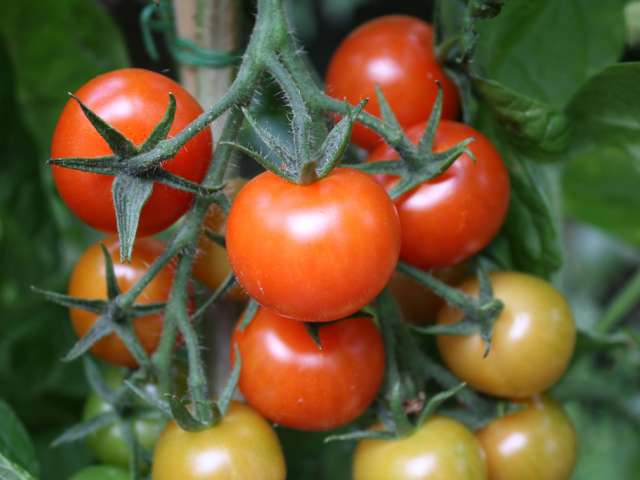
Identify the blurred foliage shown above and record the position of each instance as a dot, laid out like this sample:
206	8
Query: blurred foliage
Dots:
562	111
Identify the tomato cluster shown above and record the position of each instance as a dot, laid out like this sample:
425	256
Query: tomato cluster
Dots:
314	256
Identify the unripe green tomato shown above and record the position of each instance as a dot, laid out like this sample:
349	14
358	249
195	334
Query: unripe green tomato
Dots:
101	472
108	444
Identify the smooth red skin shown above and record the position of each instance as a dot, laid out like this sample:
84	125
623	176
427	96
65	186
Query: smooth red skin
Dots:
133	101
88	281
316	252
289	380
450	218
396	52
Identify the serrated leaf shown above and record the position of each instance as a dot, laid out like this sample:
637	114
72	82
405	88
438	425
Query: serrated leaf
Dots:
102	327
15	444
119	144
129	196
531	124
161	130
83	429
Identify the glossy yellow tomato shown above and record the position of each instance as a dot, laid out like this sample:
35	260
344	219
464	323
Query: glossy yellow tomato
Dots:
533	339
537	443
243	446
442	449
211	263
418	304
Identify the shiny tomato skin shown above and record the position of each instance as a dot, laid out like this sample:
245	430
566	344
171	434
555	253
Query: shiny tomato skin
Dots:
211	263
316	252
450	218
293	382
441	449
242	446
536	443
88	281
395	52
133	101
532	344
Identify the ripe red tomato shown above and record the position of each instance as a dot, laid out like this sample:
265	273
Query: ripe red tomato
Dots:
533	339
536	443
450	218
242	446
88	281
441	449
315	252
133	101
290	380
395	52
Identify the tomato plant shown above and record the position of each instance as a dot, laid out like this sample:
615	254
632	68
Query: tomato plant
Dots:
88	280
133	101
298	383
396	53
536	442
242	446
441	449
315	252
101	472
450	218
532	343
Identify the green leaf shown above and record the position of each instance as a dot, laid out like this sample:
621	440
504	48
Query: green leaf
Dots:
129	196
546	49
12	471
602	177
15	444
531	125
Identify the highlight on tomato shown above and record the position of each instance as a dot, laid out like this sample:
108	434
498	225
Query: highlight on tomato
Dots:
133	101
88	281
441	449
316	252
532	344
242	446
450	218
395	52
305	383
535	443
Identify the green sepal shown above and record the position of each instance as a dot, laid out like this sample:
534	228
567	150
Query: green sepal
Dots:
434	403
127	334
112	285
93	306
102	327
119	144
282	171
313	329
107	165
425	146
385	110
386	167
129	196
144	309
361	435
148	398
232	382
185	420
463	327
96	381
83	429
165	177
274	144
337	141
161	130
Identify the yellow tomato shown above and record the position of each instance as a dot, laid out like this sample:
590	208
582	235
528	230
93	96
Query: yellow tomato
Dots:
533	339
442	449
537	443
243	446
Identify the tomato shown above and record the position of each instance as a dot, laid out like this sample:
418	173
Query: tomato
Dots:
395	52
441	449
316	252
450	218
133	101
533	339
290	380
537	443
211	263
88	281
418	304
101	472
108	443
242	446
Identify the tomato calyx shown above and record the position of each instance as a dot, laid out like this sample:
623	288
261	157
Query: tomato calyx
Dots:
133	183
419	163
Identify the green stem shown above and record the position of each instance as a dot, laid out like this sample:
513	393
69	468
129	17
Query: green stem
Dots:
621	304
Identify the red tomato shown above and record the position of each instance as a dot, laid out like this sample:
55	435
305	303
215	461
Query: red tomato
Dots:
395	52
290	380
450	218
133	101
88	281
315	252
